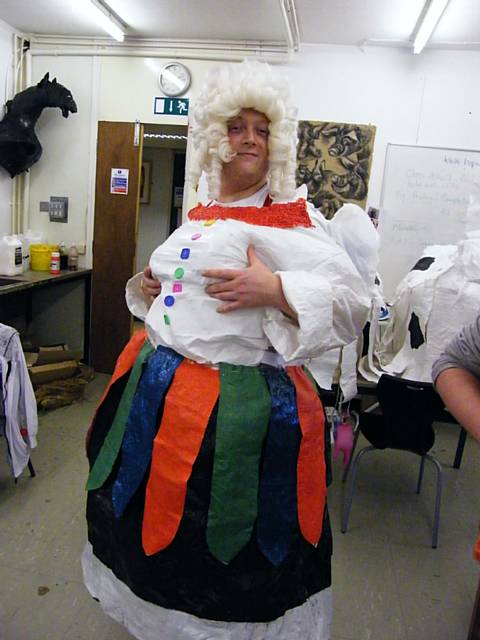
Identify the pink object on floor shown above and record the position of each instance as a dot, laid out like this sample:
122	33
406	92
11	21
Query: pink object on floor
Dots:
344	442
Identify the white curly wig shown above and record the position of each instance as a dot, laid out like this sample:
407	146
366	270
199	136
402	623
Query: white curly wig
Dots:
228	90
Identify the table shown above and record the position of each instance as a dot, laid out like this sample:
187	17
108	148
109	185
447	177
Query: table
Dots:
49	305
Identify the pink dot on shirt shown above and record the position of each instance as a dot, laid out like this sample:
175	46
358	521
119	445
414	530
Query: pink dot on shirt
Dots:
196	236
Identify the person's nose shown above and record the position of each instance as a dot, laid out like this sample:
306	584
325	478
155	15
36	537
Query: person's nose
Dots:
250	137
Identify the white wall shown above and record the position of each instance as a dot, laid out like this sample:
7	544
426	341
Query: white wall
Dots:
428	99
67	165
154	218
6	75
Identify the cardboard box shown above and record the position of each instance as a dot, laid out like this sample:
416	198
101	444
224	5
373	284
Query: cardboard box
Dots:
56	353
42	373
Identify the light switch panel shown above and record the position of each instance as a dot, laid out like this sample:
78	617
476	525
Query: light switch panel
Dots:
58	209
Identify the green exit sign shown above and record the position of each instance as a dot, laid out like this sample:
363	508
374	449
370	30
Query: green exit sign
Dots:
170	106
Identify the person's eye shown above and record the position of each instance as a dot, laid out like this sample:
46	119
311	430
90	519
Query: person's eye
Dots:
234	128
263	132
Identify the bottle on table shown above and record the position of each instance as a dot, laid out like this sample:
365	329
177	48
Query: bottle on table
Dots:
63	256
73	258
55	263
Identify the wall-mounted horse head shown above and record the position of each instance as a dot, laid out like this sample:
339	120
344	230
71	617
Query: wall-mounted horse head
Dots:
19	145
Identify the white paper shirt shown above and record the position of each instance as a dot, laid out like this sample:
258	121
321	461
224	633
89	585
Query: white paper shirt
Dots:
319	279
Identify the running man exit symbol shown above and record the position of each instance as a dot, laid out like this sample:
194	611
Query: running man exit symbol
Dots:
170	106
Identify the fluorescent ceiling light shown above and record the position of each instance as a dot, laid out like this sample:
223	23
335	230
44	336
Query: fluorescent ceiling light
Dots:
105	19
429	22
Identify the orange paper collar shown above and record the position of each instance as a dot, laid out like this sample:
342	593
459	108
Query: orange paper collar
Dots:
285	216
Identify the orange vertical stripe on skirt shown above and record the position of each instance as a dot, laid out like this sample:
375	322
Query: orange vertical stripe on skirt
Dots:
188	406
123	364
311	478
126	359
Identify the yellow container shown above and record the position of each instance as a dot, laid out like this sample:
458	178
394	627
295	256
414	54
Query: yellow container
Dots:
40	256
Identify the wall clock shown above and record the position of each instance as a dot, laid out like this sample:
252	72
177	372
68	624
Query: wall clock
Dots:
174	79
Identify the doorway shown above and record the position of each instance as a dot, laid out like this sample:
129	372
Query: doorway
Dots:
129	227
160	210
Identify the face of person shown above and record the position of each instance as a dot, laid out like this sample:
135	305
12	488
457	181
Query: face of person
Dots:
248	136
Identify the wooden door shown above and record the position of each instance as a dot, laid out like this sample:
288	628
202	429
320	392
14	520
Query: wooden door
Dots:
114	241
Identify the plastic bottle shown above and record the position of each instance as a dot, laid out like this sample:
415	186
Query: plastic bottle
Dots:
63	256
55	263
30	237
72	258
11	261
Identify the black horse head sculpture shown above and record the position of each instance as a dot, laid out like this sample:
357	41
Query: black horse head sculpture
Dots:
19	145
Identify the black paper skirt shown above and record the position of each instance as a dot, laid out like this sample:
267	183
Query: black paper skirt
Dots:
207	489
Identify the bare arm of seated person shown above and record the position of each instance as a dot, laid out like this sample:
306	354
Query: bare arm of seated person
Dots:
149	284
254	286
460	390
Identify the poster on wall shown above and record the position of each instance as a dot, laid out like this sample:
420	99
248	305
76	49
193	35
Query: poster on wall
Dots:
334	160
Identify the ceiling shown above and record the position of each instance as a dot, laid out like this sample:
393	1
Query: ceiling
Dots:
347	22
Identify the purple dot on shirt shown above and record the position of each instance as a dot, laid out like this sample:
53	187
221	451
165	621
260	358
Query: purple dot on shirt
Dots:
196	236
185	253
169	301
177	287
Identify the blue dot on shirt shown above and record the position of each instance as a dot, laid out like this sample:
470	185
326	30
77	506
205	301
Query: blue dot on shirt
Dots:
169	301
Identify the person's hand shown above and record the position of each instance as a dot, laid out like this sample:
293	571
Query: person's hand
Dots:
149	285
255	286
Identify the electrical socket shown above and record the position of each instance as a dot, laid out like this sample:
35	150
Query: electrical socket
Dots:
81	248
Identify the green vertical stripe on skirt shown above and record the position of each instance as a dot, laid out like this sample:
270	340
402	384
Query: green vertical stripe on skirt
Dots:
242	422
108	453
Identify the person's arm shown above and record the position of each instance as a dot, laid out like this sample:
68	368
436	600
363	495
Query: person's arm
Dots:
254	286
460	391
456	376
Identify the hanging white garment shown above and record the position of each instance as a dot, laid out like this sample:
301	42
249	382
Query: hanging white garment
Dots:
20	407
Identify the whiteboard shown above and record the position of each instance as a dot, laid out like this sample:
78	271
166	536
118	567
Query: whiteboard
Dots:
424	200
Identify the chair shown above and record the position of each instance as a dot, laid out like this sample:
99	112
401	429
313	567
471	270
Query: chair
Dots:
408	409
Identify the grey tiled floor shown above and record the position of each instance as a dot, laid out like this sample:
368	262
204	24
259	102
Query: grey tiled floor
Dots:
389	584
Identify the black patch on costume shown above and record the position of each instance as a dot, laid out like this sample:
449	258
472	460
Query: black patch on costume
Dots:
423	264
416	335
366	339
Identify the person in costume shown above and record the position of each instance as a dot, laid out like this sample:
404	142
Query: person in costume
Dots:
208	454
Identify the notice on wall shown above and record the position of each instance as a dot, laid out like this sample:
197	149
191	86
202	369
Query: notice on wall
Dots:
119	181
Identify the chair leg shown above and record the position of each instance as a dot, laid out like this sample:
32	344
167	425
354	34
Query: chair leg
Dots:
348	497
438	498
420	474
31	469
462	436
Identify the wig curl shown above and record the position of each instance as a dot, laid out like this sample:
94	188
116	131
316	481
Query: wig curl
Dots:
228	90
